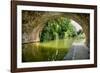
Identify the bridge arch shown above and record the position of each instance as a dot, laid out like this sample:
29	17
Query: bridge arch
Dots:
39	21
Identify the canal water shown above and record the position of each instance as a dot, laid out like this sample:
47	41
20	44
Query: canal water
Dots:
54	50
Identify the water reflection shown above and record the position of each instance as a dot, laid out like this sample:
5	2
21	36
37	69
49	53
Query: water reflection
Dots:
46	51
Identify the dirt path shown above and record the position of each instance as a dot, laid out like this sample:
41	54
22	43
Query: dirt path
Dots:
77	52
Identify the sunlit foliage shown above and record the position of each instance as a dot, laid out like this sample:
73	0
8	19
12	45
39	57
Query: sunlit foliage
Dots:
57	28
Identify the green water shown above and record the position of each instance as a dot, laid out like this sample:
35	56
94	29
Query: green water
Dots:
46	51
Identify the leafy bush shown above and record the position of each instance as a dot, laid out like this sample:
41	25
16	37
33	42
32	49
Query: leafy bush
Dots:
57	28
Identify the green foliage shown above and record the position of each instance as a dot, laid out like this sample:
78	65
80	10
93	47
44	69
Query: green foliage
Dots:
57	28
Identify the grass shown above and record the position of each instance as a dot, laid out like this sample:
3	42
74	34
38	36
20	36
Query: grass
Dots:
46	51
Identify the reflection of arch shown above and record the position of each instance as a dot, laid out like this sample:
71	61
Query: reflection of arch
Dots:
82	19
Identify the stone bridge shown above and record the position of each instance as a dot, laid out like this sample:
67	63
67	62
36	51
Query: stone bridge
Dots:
39	22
